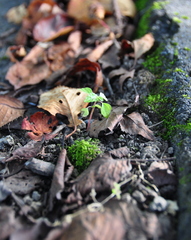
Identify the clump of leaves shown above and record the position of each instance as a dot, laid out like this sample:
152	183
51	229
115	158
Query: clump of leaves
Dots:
105	108
82	152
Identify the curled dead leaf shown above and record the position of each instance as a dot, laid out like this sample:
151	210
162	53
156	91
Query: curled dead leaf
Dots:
66	101
83	65
10	109
52	27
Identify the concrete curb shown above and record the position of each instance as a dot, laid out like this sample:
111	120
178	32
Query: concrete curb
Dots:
176	48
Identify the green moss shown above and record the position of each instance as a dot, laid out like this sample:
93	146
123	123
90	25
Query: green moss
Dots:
185	179
185	17
143	26
187	49
179	70
176	19
82	152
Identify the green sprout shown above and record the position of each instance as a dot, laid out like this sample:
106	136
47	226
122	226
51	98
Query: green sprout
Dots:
105	108
82	152
116	190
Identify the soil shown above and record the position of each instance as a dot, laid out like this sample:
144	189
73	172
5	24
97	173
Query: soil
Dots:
45	197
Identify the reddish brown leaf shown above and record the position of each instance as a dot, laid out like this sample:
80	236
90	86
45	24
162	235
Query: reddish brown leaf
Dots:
10	109
134	124
40	125
83	65
52	27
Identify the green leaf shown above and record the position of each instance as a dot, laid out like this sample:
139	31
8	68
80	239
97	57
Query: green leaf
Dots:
84	112
96	105
92	97
103	96
86	90
106	109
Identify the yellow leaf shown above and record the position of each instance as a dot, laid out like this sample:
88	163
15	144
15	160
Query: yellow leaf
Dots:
66	101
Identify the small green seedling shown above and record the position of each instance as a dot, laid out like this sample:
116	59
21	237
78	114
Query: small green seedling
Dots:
105	108
116	190
82	152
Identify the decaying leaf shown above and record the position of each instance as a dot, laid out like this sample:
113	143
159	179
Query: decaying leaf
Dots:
161	174
10	109
52	27
40	125
31	70
65	101
99	50
23	182
132	124
83	65
89	11
31	149
102	173
143	45
15	52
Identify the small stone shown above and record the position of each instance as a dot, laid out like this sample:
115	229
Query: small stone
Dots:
170	150
36	196
6	141
159	204
139	196
28	200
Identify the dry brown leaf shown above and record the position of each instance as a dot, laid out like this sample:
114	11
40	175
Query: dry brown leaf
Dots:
99	51
89	11
15	52
101	174
31	70
133	124
10	109
143	45
65	101
107	123
31	149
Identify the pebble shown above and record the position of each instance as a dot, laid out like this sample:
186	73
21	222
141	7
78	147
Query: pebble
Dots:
170	150
159	204
6	141
139	196
36	196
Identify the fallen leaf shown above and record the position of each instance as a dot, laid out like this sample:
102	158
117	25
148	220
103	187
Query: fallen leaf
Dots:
101	174
23	182
65	101
8	222
15	52
133	124
31	70
143	45
83	65
99	51
107	123
16	14
10	109
161	174
31	149
58	178
89	11
52	27
40	125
